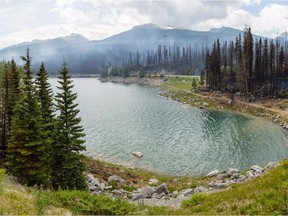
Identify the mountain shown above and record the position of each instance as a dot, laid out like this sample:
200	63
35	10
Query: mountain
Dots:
84	56
148	35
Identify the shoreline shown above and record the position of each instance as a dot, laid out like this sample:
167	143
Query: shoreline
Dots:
155	81
212	100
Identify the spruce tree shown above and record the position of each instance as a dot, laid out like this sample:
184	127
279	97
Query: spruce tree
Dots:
45	97
29	149
4	107
68	164
10	90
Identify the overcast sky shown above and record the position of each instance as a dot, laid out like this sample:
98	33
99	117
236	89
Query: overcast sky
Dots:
25	20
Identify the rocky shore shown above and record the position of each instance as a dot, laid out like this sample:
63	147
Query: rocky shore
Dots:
158	194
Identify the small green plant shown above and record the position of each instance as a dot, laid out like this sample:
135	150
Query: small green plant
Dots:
194	83
114	185
193	185
130	188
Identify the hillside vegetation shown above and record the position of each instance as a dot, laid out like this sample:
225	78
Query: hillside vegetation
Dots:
264	195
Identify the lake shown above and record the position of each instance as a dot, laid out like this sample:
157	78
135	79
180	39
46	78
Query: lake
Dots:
175	139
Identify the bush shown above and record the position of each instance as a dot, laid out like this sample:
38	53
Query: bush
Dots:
142	73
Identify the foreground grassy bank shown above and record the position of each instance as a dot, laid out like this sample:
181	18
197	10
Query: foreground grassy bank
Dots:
265	195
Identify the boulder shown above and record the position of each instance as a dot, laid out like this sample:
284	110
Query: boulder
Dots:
235	176
175	193
219	185
158	196
222	176
137	196
137	154
257	168
162	189
200	189
93	181
93	188
114	178
213	173
146	192
250	174
270	165
153	182
232	171
187	192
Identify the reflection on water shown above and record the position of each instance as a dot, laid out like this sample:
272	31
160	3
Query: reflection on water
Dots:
174	139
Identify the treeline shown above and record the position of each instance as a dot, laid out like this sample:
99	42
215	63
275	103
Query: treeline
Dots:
256	67
40	139
183	60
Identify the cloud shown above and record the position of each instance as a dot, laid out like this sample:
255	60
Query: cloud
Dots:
96	19
251	2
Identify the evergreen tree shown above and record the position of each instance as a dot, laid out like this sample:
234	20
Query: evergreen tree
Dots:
10	90
45	97
248	58
28	149
68	163
4	108
44	94
281	62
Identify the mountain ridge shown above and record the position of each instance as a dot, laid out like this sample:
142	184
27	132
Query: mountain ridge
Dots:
87	56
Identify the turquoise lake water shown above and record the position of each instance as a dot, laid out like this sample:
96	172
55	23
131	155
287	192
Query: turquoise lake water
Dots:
175	139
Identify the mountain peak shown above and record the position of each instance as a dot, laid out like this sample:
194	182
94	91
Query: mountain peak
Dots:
147	26
74	38
222	29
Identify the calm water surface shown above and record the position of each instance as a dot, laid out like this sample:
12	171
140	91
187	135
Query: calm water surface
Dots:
175	139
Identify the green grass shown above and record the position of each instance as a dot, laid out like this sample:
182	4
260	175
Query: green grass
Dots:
21	200
266	195
180	82
82	202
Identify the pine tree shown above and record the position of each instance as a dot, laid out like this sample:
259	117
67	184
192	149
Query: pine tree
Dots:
28	150
4	108
10	91
248	57
45	98
68	163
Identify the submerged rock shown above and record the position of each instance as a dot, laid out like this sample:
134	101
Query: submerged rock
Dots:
213	173
137	154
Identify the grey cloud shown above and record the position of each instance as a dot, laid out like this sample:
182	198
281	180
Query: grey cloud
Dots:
183	13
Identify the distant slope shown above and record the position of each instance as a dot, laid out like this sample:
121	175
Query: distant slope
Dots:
84	56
